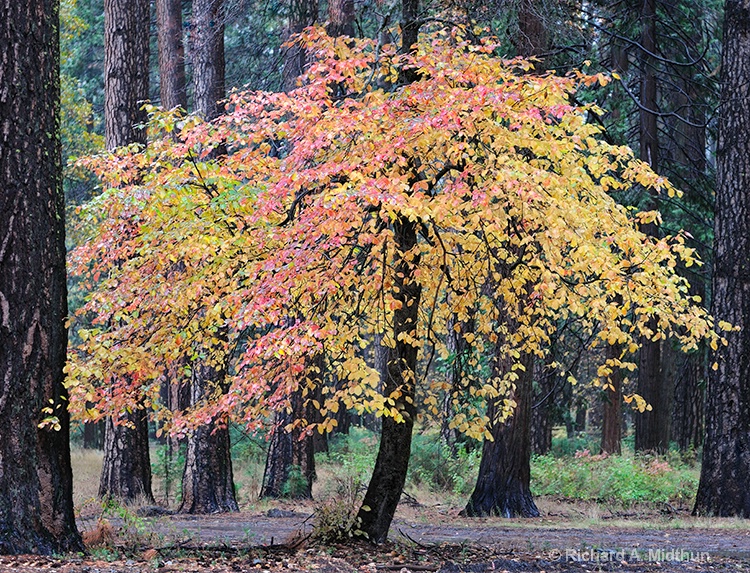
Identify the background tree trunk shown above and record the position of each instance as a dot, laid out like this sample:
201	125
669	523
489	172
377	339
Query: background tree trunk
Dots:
208	480
724	488
36	482
503	484
172	84
290	463
612	418
126	470
341	18
208	57
651	427
302	13
126	46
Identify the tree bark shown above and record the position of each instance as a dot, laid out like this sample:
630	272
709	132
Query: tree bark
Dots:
289	452
651	427
543	410
126	470
208	57
612	418
341	18
503	484
688	403
724	487
302	13
126	35
36	482
531	39
172	86
392	462
208	479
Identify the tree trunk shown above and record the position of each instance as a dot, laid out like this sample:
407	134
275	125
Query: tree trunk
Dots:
651	427
208	57
392	462
459	351
688	403
36	482
302	13
93	435
126	470
724	488
290	463
531	39
340	18
543	410
503	484
612	419
126	35
172	88
208	480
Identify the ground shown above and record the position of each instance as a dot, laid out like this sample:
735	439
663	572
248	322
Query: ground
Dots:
570	537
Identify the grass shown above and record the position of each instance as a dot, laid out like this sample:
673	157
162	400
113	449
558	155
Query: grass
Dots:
625	480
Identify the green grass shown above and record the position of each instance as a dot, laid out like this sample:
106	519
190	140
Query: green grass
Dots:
627	479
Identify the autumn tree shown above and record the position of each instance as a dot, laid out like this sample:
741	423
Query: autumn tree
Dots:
724	488
503	483
126	470
472	188
36	482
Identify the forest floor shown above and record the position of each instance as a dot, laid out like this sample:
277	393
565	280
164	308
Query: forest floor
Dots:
568	538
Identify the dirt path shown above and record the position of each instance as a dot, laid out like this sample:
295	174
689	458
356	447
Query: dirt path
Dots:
279	527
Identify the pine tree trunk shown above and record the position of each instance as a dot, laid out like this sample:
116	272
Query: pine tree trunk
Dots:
208	57
392	462
290	463
126	50
208	480
531	39
543	410
503	484
724	488
302	13
651	427
36	483
126	470
612	418
688	403
93	435
340	18
172	86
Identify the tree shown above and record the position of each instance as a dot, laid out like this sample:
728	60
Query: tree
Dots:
172	86
208	479
302	13
332	221
340	18
724	488
126	470
36	482
503	483
207	52
612	398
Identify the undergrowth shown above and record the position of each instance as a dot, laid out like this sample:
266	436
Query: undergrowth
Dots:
627	479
